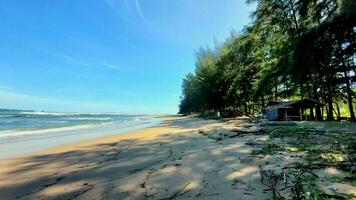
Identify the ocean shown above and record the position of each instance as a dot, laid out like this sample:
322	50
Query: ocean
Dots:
26	131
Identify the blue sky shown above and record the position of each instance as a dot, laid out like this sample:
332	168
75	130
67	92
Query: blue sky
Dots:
125	56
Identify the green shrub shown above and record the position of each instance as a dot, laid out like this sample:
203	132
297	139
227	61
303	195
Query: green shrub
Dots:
290	131
268	149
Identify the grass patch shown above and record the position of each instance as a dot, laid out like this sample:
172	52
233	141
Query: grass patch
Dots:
314	155
317	147
268	149
289	131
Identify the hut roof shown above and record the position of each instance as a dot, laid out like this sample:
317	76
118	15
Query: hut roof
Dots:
304	103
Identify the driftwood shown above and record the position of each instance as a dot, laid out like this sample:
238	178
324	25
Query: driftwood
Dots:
221	133
259	131
294	182
254	143
218	134
346	166
270	179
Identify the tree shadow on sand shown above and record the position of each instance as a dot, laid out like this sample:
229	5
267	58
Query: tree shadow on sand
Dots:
185	165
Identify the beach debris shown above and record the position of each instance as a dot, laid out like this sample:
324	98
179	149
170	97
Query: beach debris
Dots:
338	190
180	192
251	130
232	131
270	179
254	143
219	134
215	135
202	131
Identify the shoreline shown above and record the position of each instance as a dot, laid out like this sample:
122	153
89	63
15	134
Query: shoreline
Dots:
38	143
67	171
130	134
181	158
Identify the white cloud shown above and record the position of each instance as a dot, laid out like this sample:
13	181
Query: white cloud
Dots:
3	87
75	61
138	10
14	100
112	66
112	6
11	99
95	65
133	7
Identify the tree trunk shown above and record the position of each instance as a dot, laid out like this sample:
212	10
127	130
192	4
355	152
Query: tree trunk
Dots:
311	114
318	114
301	90
294	17
275	88
338	113
329	114
349	97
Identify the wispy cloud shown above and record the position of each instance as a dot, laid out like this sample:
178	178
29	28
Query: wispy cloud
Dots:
15	100
5	88
138	10
111	5
133	7
78	61
112	66
74	61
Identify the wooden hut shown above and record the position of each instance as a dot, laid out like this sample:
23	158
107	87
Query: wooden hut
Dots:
289	110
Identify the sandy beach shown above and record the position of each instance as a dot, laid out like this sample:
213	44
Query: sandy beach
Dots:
168	161
178	100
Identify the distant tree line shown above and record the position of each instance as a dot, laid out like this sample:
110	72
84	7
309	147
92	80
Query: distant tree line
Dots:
291	49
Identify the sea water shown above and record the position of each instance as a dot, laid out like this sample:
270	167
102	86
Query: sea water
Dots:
27	131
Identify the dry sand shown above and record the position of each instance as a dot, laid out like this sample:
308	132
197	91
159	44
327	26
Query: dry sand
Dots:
168	161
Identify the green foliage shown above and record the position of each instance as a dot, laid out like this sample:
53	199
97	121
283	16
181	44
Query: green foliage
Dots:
293	48
268	149
313	191
313	155
289	131
319	145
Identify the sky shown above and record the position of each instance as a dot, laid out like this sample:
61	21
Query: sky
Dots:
126	56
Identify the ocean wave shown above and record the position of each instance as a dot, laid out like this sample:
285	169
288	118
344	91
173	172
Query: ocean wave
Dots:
137	119
41	113
90	118
19	133
5	116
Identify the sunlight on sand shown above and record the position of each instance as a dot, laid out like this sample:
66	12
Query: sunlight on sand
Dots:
243	172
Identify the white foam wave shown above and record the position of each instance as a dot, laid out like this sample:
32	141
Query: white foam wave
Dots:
137	119
4	116
65	113
17	133
90	118
43	113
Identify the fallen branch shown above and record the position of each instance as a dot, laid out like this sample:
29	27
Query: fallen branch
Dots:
178	193
270	179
